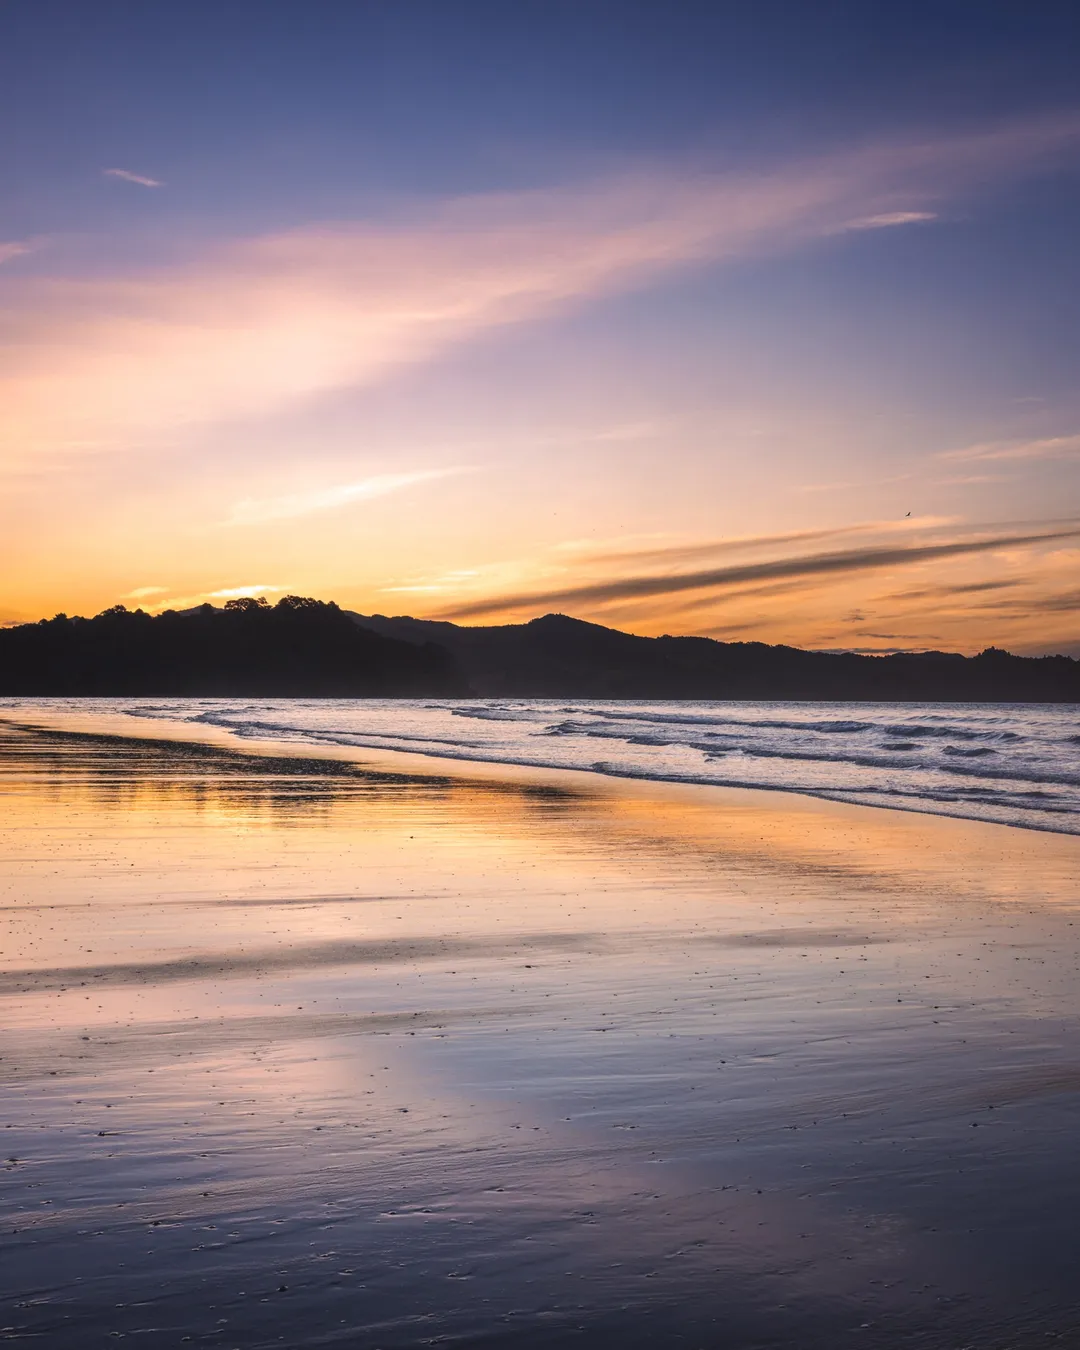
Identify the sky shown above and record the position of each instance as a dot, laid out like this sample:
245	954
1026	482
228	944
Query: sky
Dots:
757	322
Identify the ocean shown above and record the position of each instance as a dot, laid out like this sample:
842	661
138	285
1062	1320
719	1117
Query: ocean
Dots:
1015	764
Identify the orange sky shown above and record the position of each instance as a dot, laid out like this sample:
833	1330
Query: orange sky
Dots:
652	398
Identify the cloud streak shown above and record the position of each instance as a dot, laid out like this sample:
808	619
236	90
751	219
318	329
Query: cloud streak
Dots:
256	326
145	595
254	511
145	592
13	248
889	219
951	592
675	553
128	177
1051	447
807	565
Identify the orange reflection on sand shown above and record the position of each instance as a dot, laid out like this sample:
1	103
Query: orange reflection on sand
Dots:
410	1015
159	850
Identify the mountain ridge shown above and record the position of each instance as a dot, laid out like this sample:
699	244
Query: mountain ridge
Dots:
314	649
558	656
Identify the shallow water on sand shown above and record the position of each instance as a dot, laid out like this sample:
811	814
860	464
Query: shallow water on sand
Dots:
1011	763
299	1053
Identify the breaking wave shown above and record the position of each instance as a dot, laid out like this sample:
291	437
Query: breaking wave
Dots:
1016	764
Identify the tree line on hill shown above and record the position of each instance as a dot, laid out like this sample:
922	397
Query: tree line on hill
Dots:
313	649
298	647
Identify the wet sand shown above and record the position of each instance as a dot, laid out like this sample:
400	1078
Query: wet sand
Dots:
315	1052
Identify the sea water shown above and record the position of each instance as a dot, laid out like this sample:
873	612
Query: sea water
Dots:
1017	764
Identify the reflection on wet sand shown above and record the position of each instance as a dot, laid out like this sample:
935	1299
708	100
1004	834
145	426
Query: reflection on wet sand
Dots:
308	1052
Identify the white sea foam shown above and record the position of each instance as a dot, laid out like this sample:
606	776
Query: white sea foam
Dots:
1018	764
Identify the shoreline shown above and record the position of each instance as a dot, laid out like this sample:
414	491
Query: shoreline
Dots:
418	764
779	833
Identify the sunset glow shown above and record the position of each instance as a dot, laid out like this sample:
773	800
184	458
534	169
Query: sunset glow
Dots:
785	386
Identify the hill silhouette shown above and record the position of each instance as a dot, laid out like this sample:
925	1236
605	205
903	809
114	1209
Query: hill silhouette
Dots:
297	648
560	657
313	649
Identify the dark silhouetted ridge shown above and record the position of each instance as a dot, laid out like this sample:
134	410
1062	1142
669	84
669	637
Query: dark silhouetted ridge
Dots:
308	648
297	648
560	657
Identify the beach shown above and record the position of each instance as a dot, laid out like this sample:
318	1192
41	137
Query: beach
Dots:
334	1045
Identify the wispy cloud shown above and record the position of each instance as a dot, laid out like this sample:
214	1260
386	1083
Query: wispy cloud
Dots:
950	592
128	177
145	592
888	219
969	479
806	565
13	248
239	592
1060	602
1068	602
166	600
250	328
1050	447
448	581
669	554
252	511
849	484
